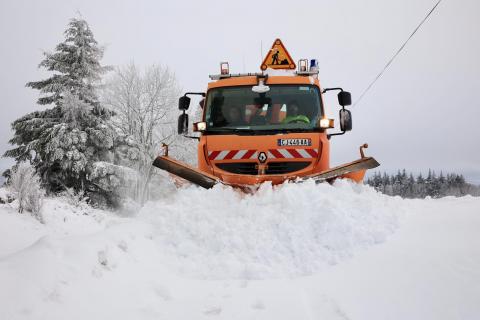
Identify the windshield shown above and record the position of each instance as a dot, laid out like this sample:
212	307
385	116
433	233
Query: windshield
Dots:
284	107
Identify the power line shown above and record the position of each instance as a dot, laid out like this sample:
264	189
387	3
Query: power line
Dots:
397	53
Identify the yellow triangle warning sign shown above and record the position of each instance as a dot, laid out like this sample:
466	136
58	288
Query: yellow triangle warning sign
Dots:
278	57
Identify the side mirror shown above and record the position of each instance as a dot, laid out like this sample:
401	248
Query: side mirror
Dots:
344	98
183	103
345	117
183	123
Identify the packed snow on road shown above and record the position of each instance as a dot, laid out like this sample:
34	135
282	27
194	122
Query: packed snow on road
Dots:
296	251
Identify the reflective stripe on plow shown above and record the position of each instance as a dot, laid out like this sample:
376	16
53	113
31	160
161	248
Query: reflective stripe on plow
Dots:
231	154
222	155
239	154
251	154
303	153
294	153
213	154
312	152
274	153
285	153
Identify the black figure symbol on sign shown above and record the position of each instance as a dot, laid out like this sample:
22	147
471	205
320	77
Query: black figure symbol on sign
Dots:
278	58
275	57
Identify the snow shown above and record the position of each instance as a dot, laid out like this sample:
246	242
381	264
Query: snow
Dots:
293	230
19	231
291	252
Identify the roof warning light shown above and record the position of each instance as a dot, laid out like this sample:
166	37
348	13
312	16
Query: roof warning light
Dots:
224	68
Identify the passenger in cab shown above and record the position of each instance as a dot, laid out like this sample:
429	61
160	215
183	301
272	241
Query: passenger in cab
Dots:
295	114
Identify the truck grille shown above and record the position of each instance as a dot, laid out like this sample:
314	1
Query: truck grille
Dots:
239	167
251	168
285	167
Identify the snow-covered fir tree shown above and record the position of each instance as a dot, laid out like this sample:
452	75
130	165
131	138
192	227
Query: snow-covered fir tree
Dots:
72	144
76	66
433	185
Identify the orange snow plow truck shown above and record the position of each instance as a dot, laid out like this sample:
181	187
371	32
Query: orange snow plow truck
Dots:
266	126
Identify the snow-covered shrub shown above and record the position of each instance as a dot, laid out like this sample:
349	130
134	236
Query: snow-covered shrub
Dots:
110	184
74	197
25	184
6	196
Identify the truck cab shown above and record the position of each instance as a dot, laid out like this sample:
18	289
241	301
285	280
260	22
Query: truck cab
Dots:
251	137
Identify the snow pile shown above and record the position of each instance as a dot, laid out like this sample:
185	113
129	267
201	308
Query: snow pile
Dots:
290	230
61	219
91	264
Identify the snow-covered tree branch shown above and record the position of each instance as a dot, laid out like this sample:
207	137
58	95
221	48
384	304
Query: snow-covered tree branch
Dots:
144	103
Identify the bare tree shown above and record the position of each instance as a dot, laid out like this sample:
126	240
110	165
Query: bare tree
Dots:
144	102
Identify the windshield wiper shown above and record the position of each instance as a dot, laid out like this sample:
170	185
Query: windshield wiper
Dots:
297	129
260	131
229	129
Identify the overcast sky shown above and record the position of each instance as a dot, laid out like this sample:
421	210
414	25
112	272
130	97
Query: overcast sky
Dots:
423	113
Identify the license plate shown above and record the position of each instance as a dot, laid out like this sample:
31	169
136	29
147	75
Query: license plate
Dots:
294	142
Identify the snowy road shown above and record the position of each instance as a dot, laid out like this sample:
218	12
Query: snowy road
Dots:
301	252
428	269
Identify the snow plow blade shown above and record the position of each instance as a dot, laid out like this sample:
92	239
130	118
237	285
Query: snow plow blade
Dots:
186	172
207	181
341	171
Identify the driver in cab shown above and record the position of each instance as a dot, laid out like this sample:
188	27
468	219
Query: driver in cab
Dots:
235	117
294	114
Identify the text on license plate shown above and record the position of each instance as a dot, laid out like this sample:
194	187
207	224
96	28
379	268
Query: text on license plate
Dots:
294	142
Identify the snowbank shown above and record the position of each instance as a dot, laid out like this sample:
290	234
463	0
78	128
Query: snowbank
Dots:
18	231
290	230
294	252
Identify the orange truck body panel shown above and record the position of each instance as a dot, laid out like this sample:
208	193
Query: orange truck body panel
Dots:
251	81
317	155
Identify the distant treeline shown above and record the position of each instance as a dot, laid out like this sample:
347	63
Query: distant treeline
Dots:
433	185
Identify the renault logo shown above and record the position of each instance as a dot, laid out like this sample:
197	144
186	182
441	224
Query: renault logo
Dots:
262	157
